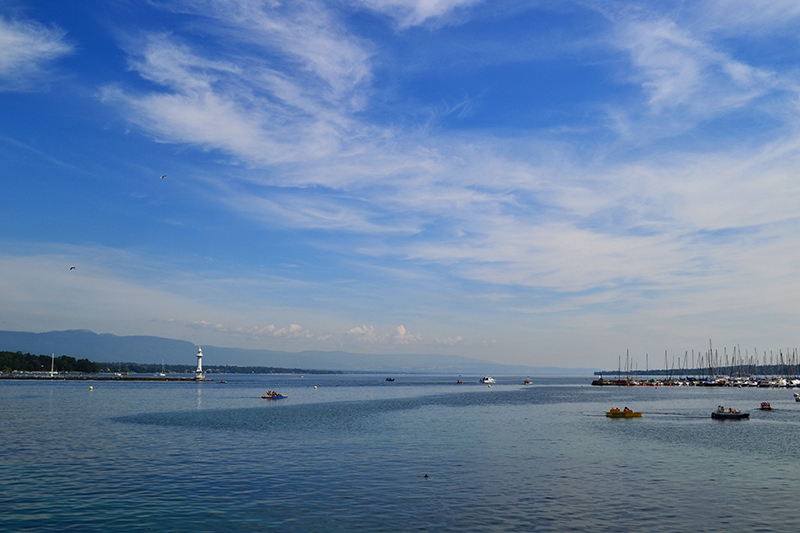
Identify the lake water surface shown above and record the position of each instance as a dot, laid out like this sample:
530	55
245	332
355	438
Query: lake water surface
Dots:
352	455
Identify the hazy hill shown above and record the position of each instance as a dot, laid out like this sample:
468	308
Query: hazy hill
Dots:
144	349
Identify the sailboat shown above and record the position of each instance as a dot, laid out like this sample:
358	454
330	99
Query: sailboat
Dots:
161	374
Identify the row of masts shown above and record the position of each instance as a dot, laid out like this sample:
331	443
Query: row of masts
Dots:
711	364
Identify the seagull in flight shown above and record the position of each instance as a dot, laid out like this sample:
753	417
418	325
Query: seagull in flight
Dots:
72	268
164	176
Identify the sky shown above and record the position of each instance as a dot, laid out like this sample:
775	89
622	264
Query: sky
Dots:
526	182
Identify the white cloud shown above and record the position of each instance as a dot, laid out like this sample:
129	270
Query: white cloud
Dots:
298	105
680	70
365	334
749	15
26	49
403	336
416	12
567	218
294	331
450	341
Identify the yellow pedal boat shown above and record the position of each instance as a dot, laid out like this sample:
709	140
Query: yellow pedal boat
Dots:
622	413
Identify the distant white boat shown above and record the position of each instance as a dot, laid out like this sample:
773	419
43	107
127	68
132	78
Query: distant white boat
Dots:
487	379
161	374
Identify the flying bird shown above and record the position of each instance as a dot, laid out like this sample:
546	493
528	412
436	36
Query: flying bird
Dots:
72	268
164	176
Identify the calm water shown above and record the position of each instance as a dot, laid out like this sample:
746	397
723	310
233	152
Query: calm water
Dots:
352	455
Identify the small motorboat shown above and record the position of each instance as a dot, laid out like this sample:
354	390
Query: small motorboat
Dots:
389	379
729	414
527	382
616	412
487	379
765	406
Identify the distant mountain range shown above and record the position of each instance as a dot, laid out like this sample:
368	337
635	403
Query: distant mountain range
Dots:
144	349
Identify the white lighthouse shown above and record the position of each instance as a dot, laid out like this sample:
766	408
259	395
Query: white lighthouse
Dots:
198	374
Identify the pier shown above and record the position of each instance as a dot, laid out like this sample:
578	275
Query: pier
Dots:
68	377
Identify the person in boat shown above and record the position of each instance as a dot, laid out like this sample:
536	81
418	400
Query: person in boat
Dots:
627	410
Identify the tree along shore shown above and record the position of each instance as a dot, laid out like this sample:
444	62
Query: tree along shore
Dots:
26	362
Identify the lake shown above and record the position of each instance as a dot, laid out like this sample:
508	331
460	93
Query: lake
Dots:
418	454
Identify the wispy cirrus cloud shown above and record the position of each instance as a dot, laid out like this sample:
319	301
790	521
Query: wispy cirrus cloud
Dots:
287	95
282	85
748	15
27	49
680	70
415	12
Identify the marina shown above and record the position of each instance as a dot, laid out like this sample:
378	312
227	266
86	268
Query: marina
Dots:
717	381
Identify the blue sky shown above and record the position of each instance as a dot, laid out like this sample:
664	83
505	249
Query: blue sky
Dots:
542	183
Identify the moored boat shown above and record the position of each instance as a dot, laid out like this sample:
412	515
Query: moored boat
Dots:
728	414
487	379
616	412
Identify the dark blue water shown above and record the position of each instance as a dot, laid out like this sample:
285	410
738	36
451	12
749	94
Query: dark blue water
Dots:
352	455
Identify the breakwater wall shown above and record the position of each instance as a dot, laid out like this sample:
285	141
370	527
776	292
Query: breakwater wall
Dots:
98	378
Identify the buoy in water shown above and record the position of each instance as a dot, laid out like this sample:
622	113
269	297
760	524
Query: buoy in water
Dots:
315	387
490	386
91	388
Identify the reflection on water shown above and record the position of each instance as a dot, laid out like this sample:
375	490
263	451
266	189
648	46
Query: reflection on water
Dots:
352	455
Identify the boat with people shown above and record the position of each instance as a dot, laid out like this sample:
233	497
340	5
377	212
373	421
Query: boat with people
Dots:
272	395
765	406
527	382
728	414
487	379
616	412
